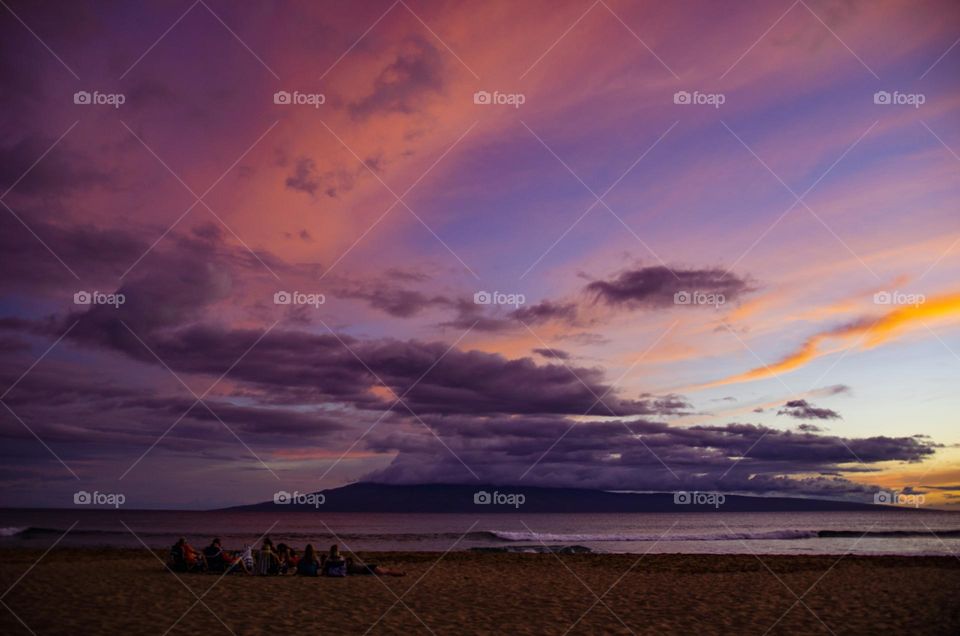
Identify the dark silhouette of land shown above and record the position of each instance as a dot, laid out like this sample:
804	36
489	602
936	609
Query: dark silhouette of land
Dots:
454	498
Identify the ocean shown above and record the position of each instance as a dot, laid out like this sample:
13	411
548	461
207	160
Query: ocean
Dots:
898	532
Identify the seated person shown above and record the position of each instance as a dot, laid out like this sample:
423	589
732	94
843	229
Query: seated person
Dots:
267	560
184	558
287	566
360	568
334	565
308	564
244	560
217	559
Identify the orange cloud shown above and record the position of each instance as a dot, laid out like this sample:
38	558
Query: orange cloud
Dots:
871	332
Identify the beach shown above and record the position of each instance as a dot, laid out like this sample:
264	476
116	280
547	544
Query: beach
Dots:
114	591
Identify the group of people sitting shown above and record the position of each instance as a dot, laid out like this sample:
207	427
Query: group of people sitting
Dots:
269	561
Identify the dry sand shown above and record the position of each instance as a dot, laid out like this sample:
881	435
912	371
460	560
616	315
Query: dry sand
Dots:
128	592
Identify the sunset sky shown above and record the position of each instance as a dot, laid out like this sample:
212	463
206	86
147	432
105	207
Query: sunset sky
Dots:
814	228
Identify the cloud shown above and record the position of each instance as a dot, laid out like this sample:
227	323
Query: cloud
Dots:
402	85
803	410
655	286
864	333
553	354
639	455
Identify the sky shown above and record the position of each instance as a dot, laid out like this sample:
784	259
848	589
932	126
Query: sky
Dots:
262	246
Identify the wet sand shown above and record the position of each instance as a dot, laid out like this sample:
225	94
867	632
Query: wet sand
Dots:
72	591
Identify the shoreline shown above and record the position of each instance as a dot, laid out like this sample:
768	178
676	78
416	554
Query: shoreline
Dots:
72	590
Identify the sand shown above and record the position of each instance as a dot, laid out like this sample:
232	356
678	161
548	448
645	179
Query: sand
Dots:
127	591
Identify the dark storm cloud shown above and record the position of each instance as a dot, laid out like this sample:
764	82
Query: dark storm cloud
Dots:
387	295
655	286
402	85
553	354
307	178
545	311
322	368
803	410
639	455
